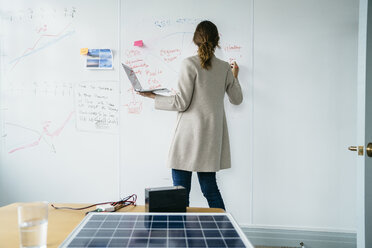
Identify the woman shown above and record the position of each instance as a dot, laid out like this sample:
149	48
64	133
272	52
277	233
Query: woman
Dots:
201	140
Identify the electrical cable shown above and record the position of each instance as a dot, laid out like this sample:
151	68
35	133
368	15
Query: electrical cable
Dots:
119	204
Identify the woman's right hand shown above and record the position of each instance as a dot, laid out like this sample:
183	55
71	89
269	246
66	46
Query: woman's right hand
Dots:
147	94
235	69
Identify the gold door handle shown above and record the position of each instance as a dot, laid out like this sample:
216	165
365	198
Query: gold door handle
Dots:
360	149
369	150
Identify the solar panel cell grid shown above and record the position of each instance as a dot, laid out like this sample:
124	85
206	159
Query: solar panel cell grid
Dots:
156	230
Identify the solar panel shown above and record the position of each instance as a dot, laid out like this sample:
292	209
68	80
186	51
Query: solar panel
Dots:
157	230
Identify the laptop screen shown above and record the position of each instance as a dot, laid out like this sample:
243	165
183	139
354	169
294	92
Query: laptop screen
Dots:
132	77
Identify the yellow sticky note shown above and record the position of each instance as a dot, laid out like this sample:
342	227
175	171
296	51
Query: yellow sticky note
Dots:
84	51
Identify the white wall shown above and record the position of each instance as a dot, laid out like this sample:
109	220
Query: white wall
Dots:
305	62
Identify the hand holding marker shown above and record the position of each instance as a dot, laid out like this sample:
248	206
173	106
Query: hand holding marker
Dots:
235	69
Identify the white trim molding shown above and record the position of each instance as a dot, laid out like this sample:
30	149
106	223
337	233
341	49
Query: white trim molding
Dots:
260	236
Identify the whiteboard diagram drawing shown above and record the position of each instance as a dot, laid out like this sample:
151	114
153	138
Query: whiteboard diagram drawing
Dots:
42	135
157	62
39	44
35	38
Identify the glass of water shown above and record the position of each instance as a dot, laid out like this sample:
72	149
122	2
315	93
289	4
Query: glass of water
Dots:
33	224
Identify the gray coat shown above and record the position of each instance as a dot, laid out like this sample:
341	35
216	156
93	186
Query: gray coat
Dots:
201	140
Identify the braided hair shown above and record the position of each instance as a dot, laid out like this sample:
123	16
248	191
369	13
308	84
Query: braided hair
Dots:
206	37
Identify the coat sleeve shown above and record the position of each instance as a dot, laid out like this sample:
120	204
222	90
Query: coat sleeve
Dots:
233	89
180	101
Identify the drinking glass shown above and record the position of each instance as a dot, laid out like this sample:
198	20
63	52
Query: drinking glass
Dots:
33	224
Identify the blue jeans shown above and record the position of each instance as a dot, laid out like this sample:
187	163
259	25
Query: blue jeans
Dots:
208	185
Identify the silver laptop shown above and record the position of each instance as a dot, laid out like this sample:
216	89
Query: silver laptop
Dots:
136	84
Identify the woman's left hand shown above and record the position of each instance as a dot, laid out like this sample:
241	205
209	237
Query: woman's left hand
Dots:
147	94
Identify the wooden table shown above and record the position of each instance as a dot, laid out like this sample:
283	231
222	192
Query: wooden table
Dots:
60	222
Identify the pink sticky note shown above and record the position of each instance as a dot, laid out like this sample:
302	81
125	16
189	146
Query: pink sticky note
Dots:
138	43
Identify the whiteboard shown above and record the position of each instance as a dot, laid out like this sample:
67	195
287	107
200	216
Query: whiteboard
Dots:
166	28
47	151
63	151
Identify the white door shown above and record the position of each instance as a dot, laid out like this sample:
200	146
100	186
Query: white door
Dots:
364	136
